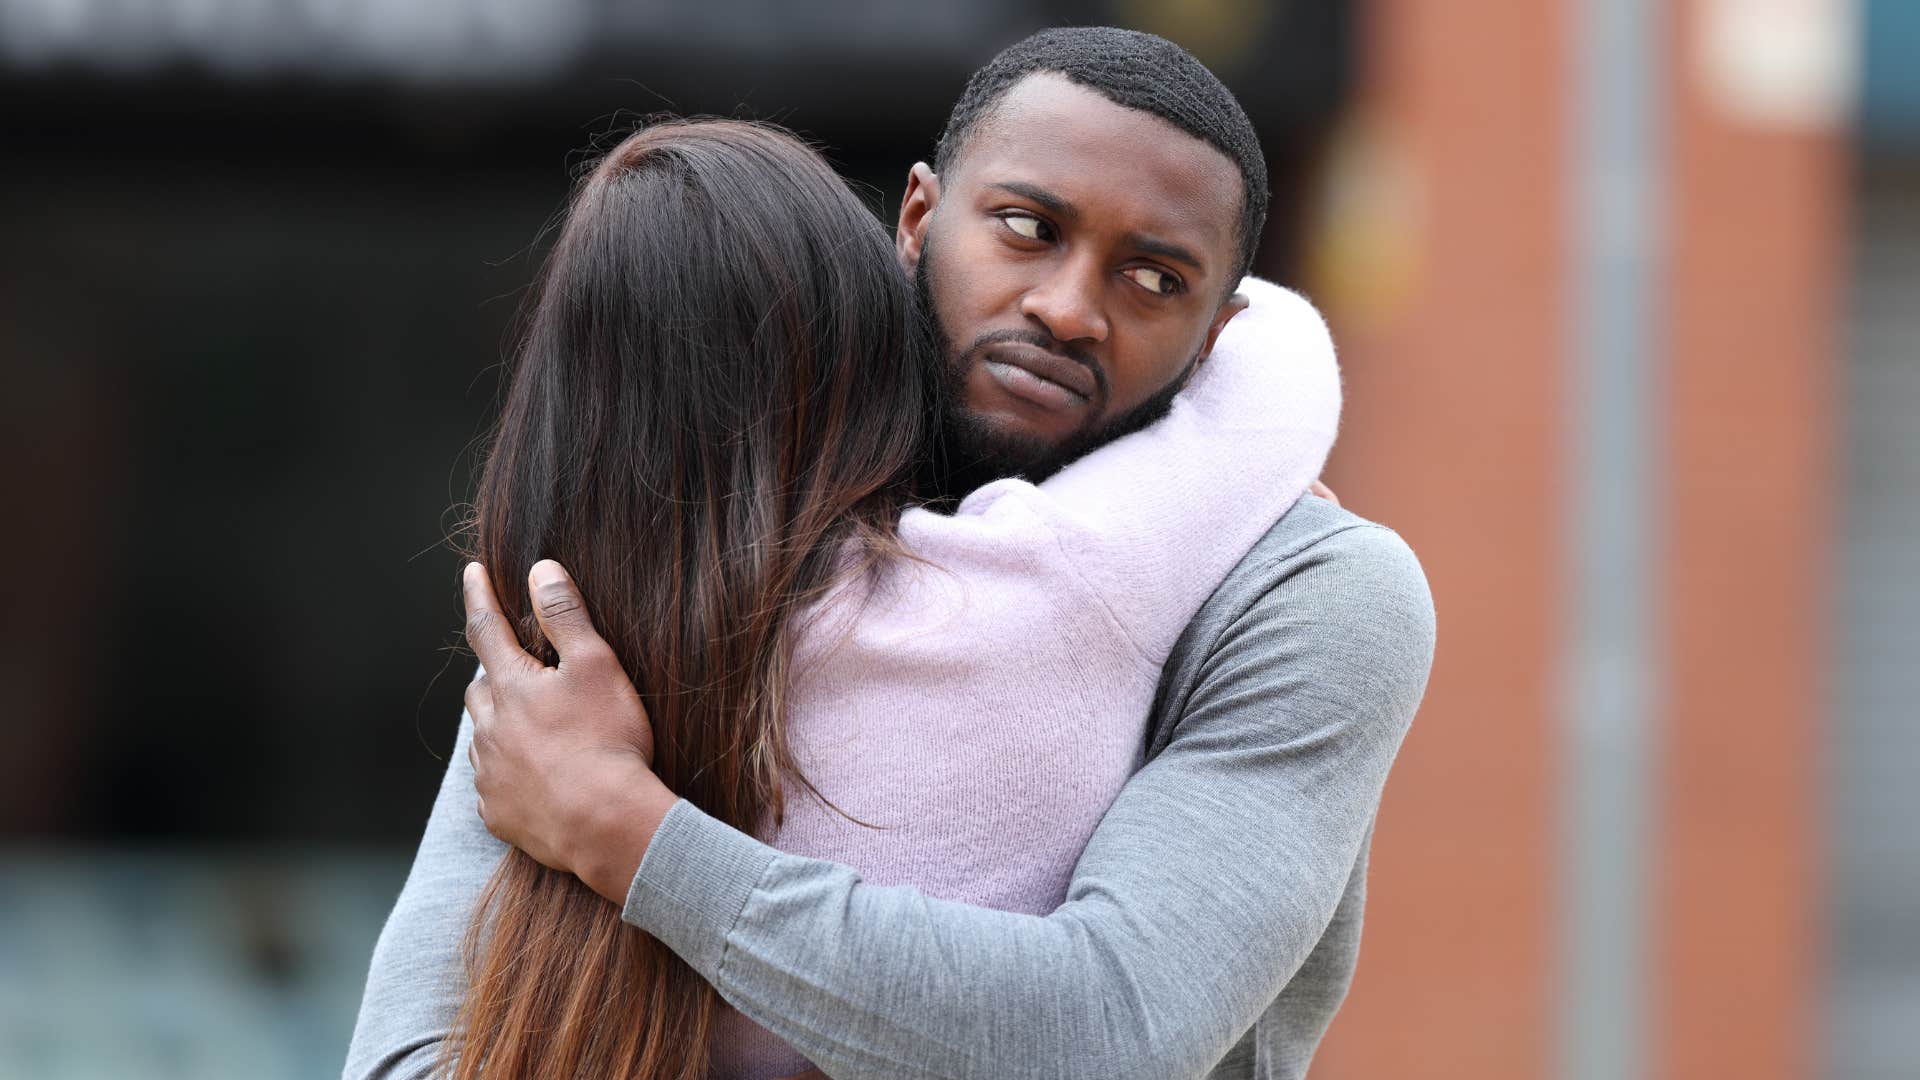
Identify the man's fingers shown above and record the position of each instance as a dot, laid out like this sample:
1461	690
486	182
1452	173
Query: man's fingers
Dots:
479	701
489	634
1321	489
562	612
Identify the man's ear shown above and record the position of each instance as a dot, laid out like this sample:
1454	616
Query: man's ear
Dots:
916	212
1233	305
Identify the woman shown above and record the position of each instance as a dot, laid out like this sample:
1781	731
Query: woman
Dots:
715	421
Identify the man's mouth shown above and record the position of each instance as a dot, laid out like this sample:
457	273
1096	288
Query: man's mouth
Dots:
1039	377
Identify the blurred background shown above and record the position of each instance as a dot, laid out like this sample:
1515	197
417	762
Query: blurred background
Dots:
1628	294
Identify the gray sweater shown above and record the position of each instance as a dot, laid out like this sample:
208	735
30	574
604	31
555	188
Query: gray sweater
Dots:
1211	927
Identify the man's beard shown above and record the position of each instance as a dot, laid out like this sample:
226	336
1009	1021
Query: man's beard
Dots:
973	452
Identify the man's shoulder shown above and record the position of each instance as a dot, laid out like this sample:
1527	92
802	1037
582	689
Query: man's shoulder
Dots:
1324	549
1327	596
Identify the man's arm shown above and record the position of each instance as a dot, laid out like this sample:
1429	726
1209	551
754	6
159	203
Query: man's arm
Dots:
1204	888
418	977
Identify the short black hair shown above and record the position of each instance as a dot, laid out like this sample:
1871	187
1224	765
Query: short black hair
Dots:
1135	70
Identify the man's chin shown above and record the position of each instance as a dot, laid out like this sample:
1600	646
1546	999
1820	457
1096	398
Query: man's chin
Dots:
988	448
984	450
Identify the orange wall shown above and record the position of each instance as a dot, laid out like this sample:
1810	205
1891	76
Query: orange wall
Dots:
1757	220
1457	435
1452	437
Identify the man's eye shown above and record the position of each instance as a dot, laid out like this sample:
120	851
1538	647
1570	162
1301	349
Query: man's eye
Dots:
1154	281
1026	226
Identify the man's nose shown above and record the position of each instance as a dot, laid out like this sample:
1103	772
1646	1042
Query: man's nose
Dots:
1068	303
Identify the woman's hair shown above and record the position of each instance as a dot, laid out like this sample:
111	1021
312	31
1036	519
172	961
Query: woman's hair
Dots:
723	392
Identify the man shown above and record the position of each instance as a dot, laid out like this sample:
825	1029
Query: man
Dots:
1094	200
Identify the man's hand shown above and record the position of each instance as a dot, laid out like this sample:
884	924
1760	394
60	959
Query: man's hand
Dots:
561	756
1319	487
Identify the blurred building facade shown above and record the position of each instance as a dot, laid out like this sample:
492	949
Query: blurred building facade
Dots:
1647	329
1624	293
1873	909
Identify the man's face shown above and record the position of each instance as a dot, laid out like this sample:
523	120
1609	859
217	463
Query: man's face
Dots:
1078	267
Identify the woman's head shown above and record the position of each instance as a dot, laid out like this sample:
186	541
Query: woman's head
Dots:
722	375
723	384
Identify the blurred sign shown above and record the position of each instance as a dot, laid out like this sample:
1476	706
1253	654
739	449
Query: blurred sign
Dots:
420	39
859	74
469	40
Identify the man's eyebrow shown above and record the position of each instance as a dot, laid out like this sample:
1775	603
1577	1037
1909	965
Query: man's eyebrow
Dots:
1051	203
1166	250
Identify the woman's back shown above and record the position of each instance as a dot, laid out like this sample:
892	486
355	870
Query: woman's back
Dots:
974	708
970	712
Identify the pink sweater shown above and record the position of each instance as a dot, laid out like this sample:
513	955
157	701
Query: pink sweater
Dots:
984	707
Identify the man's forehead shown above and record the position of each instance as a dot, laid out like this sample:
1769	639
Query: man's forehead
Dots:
1105	158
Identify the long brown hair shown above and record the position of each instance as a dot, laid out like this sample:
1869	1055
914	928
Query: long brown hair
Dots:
723	391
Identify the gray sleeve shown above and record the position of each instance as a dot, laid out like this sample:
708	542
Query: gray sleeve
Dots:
1204	888
418	976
